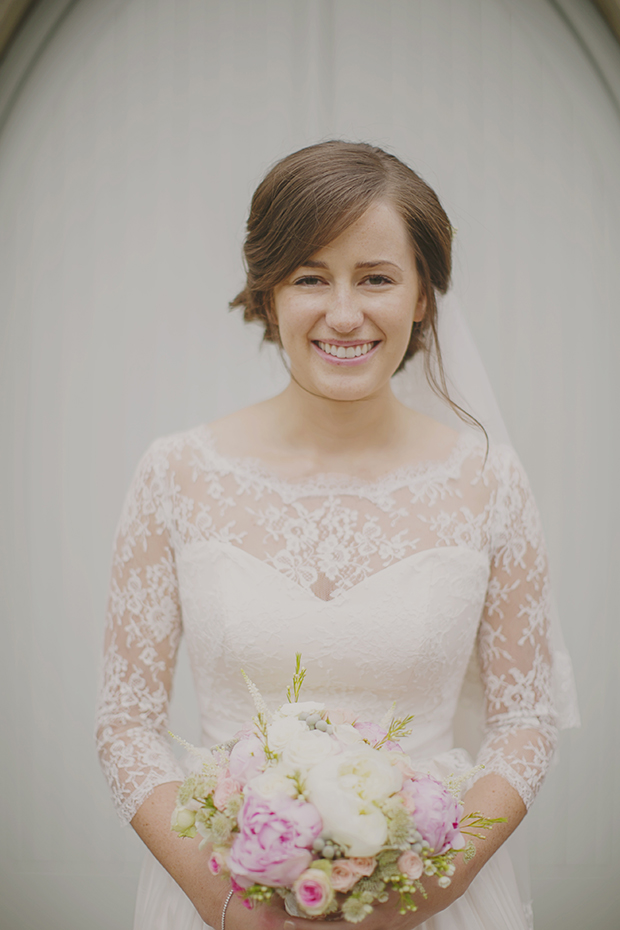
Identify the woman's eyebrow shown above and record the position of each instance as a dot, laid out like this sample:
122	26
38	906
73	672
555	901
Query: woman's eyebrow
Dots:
374	263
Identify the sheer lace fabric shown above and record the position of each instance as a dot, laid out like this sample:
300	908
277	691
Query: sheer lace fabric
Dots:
386	587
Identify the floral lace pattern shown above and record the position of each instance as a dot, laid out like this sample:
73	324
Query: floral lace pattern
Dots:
385	586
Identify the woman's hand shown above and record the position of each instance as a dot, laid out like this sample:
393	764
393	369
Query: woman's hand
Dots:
384	916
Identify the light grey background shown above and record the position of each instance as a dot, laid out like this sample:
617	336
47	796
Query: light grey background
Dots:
133	133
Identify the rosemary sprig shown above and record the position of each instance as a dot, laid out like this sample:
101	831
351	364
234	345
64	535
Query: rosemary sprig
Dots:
298	680
476	821
398	727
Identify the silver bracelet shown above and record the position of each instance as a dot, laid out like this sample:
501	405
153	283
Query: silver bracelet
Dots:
226	903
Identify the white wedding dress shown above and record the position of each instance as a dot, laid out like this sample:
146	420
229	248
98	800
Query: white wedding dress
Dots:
391	589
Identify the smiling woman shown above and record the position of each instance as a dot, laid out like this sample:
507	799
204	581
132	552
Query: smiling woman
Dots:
322	191
322	318
333	520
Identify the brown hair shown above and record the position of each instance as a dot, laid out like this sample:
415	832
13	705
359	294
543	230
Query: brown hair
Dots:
310	197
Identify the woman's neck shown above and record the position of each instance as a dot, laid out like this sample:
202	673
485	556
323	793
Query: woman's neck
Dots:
329	431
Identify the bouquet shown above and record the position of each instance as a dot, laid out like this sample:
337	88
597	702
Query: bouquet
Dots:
322	809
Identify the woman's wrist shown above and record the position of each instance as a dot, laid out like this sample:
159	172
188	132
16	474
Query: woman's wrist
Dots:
224	909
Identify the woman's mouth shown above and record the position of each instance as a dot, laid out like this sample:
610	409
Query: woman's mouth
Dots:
346	354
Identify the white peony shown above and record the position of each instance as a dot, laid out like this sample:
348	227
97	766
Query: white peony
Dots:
309	749
345	789
369	773
282	730
347	734
275	780
294	709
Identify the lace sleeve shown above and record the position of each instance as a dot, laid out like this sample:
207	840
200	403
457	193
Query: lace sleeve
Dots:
513	644
143	629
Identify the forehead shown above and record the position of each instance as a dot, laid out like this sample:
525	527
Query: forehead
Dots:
379	233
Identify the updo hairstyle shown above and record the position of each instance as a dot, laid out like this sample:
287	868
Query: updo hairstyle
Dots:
310	197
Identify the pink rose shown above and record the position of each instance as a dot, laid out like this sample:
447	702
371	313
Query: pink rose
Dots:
410	864
343	875
217	863
373	734
346	872
363	865
437	812
313	892
247	759
272	844
224	790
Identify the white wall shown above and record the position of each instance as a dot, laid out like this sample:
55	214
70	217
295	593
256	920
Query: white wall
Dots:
126	164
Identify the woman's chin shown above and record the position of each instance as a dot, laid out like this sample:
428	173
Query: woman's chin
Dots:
343	389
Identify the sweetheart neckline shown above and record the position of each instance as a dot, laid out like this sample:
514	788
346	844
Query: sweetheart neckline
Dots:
301	590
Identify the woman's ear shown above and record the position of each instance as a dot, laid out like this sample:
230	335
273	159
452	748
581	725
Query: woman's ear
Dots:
420	310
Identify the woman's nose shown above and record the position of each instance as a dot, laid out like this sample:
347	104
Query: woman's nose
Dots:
343	313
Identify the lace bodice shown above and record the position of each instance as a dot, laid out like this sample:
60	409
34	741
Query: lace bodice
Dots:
386	587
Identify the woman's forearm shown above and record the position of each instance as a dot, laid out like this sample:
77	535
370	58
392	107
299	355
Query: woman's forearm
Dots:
493	797
180	856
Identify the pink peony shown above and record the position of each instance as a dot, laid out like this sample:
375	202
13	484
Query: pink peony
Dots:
240	892
313	892
271	846
247	759
226	787
437	812
373	734
410	864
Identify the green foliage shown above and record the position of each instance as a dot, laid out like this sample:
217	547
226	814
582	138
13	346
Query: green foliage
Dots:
397	728
262	894
298	680
477	821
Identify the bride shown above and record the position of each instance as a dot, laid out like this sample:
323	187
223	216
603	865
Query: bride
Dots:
334	520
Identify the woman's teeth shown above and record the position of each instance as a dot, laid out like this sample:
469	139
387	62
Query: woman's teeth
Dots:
345	351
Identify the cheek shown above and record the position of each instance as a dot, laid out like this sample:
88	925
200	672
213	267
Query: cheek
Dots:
295	318
401	324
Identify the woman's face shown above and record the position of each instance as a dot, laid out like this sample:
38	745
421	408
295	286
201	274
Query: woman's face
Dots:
345	316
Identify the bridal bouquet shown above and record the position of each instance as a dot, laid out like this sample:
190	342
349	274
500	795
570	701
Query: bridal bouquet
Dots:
310	802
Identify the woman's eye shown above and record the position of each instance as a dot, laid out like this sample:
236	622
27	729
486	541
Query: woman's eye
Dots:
377	279
308	281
